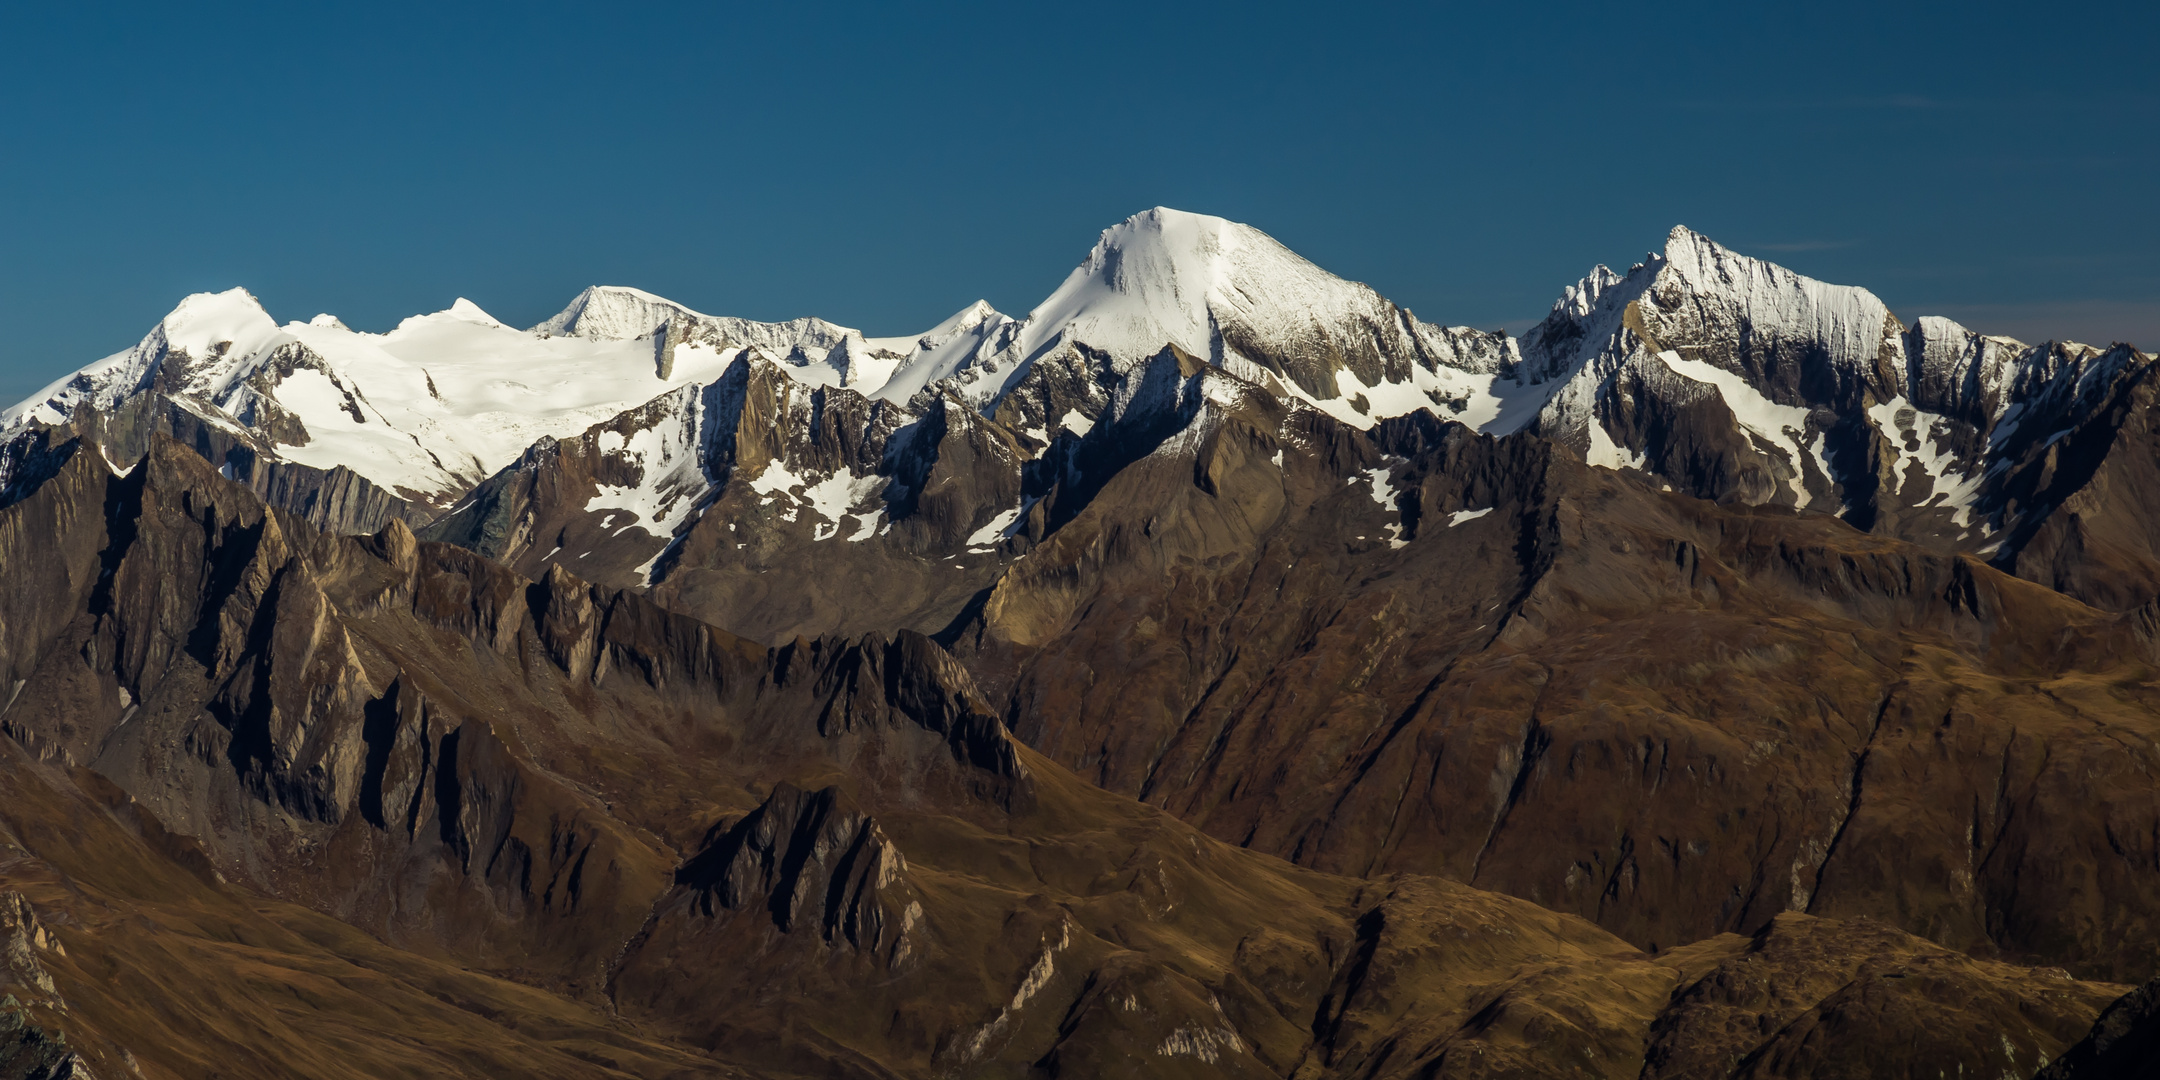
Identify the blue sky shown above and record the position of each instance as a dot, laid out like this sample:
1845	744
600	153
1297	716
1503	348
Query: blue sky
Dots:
884	164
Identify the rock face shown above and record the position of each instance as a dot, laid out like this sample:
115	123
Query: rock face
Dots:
2124	1043
1803	995
30	1048
244	755
1425	649
1741	382
701	492
335	498
28	1052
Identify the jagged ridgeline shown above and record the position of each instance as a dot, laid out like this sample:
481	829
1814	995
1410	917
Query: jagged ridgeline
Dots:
1218	670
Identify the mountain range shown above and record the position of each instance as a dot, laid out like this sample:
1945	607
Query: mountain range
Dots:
1217	670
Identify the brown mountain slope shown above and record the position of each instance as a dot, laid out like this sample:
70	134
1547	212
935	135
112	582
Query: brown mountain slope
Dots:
2124	1044
2096	490
159	969
303	805
1417	649
1520	672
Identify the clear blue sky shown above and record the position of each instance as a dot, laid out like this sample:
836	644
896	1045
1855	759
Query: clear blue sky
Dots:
884	164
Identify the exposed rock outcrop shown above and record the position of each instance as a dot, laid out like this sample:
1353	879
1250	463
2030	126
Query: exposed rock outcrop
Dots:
2123	1043
29	1052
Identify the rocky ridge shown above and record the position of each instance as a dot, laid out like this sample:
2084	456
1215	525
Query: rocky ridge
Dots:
245	753
1719	375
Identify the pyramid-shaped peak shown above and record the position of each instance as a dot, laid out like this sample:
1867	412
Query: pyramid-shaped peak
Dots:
1703	284
613	312
1171	277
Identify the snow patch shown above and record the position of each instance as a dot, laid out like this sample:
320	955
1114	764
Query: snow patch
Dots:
832	498
1076	422
1898	418
866	526
1604	451
670	480
1383	492
1780	425
998	528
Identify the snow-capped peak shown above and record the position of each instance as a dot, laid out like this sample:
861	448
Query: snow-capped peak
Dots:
613	313
209	329
1146	283
1706	282
1697	291
470	312
1168	277
1232	295
204	323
